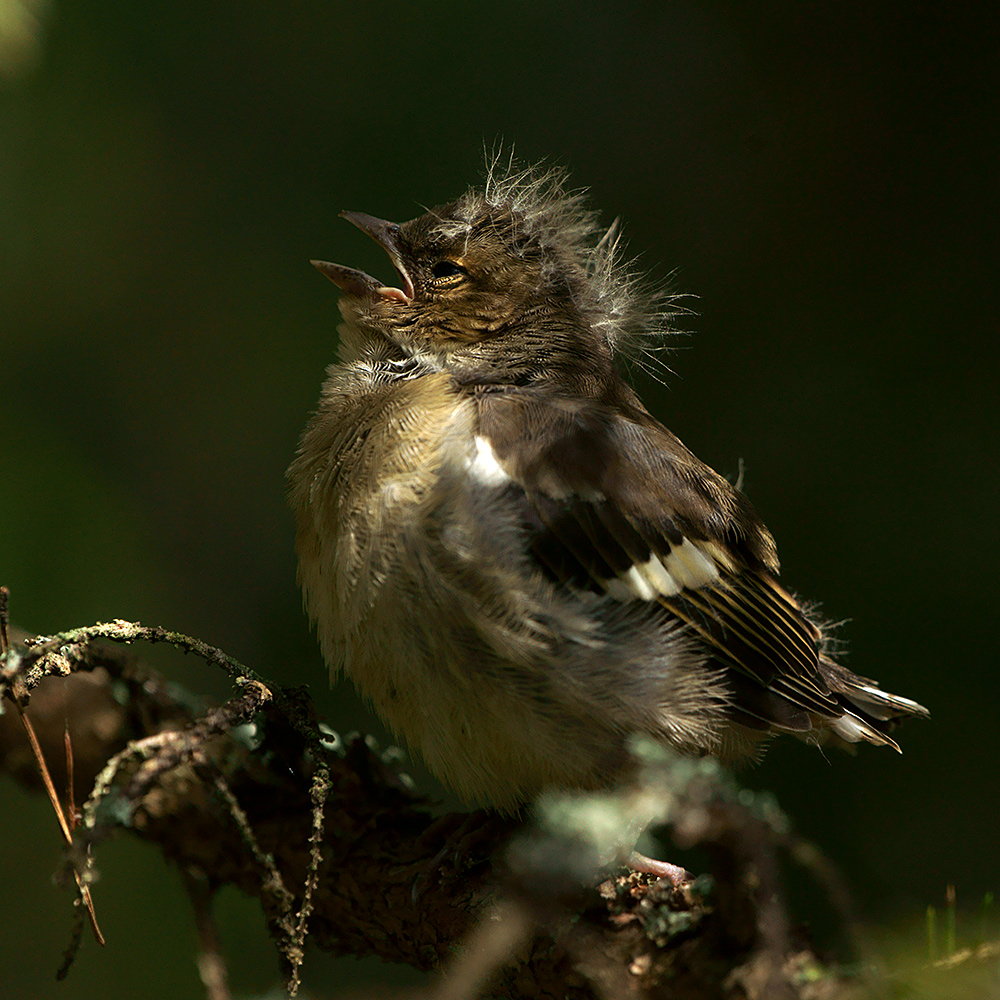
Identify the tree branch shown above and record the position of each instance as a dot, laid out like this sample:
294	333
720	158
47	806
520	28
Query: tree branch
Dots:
335	844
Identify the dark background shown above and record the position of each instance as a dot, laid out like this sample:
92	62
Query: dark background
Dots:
823	177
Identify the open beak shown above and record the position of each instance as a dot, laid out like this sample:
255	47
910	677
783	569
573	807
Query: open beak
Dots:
357	283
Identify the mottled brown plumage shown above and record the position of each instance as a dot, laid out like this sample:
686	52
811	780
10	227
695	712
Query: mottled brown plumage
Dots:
506	552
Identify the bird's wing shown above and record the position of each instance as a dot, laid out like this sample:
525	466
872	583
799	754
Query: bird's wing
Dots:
618	504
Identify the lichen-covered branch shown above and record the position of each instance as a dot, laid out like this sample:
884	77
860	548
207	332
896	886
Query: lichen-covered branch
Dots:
333	841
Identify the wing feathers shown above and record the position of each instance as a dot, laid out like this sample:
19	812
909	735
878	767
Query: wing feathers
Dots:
616	504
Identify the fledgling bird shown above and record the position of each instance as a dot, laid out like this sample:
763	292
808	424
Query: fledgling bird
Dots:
513	560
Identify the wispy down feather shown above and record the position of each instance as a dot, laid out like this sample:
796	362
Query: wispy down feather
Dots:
551	221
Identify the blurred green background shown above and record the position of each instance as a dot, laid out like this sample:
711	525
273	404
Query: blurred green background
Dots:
822	176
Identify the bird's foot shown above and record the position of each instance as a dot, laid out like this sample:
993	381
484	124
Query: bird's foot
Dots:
661	869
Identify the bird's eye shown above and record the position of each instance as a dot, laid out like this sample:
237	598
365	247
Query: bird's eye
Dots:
447	269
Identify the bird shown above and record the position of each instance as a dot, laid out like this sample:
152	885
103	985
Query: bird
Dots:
513	560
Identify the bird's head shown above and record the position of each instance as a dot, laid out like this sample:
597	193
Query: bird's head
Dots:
511	284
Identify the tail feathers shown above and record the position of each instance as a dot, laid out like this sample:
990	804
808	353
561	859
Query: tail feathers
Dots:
851	728
881	705
869	712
